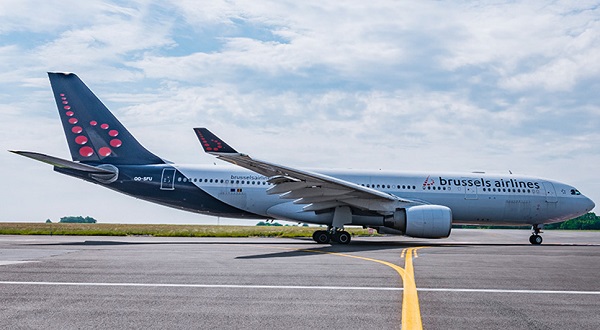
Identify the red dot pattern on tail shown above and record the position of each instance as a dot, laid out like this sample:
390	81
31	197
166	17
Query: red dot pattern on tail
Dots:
87	151
210	145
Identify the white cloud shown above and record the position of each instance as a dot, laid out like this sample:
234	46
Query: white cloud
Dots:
532	45
580	60
45	16
424	85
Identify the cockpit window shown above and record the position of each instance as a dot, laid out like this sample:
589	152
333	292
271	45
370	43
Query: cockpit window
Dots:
575	192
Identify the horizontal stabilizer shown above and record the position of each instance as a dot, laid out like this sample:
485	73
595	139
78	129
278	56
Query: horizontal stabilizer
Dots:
62	163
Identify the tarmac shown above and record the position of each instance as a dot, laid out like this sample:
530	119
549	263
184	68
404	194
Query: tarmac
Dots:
476	279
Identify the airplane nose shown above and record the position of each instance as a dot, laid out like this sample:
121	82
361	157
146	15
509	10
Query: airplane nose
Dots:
589	204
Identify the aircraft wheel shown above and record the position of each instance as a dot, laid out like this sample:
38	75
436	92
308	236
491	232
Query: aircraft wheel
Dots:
321	237
342	237
535	239
315	235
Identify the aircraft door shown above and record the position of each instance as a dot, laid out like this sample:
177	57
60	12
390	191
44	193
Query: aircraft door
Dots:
550	192
167	181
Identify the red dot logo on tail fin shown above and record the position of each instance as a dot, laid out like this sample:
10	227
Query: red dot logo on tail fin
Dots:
86	151
104	151
81	140
115	143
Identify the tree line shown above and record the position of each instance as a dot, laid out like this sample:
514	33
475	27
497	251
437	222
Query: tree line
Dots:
75	219
589	221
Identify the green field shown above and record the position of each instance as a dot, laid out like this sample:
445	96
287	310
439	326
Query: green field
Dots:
160	230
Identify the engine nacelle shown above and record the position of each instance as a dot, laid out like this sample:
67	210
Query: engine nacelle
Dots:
422	221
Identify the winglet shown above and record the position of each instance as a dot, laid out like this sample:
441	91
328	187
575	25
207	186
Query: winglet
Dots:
211	143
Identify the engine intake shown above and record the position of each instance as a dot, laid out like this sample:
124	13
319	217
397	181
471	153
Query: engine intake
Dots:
422	221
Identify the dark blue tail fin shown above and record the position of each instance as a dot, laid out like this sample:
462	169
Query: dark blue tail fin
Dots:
93	133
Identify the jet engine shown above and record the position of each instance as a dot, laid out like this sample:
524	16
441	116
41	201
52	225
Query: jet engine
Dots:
422	221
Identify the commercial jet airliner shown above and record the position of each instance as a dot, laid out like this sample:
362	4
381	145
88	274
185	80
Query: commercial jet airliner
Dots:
423	205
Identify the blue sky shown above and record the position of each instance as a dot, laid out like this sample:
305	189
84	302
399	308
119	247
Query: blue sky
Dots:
426	85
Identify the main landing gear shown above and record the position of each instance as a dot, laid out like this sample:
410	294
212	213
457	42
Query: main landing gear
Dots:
535	237
332	236
335	232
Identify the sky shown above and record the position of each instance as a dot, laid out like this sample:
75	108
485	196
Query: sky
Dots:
493	86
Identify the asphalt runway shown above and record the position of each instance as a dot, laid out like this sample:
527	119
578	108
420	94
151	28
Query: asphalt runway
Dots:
476	279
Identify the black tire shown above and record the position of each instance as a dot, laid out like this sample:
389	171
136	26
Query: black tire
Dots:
321	237
318	231
342	237
535	239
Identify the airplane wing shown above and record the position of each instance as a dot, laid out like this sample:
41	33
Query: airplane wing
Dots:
317	191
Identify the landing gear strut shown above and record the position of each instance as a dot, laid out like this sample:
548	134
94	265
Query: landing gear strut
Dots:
535	237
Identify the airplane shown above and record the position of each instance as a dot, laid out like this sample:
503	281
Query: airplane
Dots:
421	205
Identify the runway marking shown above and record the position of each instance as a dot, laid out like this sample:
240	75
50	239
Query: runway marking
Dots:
411	312
222	286
9	262
509	291
297	287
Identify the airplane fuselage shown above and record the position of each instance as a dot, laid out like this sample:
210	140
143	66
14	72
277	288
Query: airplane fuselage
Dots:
474	198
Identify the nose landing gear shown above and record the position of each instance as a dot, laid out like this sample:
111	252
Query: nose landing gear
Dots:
535	237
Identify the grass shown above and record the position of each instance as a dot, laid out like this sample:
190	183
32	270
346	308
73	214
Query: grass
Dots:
81	229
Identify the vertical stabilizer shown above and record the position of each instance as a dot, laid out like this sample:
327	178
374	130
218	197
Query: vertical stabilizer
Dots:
92	131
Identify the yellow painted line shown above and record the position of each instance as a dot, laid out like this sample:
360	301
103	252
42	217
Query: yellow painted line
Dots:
411	312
